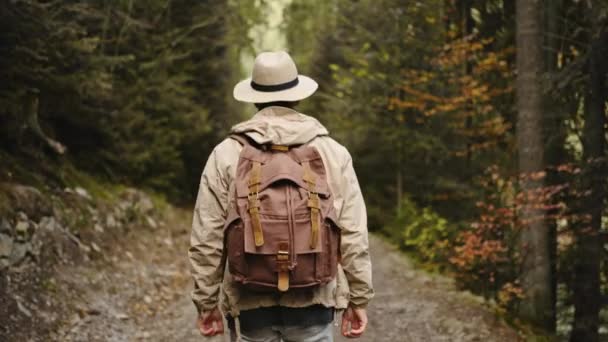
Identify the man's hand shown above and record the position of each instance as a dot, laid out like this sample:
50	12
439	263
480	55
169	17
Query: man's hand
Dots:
354	322
210	323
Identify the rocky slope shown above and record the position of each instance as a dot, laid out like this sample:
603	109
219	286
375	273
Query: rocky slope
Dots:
45	235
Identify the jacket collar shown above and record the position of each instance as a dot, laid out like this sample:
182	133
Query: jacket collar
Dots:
282	126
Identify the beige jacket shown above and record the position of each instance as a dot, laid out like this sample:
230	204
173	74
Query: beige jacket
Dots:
283	126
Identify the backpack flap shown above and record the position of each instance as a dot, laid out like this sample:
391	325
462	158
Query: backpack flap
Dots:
279	167
276	232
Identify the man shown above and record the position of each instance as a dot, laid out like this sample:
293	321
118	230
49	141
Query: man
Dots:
294	315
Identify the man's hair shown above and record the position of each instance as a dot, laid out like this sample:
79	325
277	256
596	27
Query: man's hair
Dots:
288	104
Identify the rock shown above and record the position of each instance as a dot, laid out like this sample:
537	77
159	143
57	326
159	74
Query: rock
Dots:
143	335
98	228
19	252
82	246
145	205
85	248
27	199
122	316
111	221
95	247
6	245
124	206
21	216
52	237
73	237
5	227
151	223
74	322
82	193
147	299
24	229
23	309
139	200
94	212
49	223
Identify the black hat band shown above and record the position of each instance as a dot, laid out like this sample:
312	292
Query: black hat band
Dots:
275	87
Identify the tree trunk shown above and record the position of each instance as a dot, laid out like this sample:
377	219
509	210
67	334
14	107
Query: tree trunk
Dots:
587	292
30	111
557	109
466	30
536	277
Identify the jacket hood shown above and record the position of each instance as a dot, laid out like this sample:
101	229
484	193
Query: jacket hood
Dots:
281	126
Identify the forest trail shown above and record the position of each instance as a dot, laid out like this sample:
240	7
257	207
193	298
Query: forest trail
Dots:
141	292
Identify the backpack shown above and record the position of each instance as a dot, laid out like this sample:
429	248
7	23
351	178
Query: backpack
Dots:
281	229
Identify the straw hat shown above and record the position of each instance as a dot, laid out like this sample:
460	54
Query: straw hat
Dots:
274	78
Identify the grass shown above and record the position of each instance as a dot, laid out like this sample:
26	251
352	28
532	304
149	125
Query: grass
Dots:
47	173
50	175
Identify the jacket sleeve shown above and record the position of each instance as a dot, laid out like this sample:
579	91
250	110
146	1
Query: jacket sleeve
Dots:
355	245
206	240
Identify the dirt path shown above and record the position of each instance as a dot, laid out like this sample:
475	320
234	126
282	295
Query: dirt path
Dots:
142	293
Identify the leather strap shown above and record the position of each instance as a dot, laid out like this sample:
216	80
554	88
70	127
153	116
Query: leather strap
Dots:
309	177
283	282
255	179
280	148
283	266
313	203
315	219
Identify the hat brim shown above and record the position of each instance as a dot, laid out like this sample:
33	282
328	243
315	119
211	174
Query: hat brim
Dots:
245	93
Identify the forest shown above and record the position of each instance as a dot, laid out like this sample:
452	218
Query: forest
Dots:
478	128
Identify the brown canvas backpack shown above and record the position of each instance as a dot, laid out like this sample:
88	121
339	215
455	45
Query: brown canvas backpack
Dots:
281	229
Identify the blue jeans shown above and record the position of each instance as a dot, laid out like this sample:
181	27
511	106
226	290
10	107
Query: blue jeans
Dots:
280	333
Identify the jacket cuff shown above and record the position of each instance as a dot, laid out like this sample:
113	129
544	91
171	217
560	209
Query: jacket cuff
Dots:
203	307
358	306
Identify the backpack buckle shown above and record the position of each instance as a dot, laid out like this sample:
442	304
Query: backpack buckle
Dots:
283	266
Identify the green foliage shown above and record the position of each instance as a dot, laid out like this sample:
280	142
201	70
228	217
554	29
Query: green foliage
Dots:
136	90
423	232
429	234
